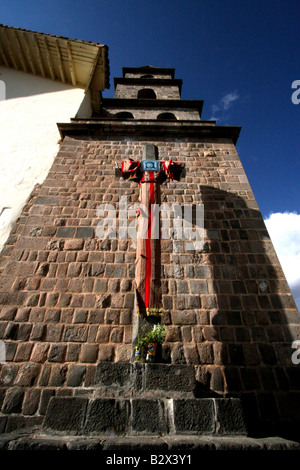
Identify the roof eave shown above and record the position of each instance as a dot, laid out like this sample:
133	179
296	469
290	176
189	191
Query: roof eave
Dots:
74	62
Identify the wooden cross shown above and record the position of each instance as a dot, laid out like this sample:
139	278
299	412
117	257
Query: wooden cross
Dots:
149	173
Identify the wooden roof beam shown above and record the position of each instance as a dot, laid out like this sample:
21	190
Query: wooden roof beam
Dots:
29	54
39	55
11	54
3	55
71	64
20	51
60	63
93	68
49	59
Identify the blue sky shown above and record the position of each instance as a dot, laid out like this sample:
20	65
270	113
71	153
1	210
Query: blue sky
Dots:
240	57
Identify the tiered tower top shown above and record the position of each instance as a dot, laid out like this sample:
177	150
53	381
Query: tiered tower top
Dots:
147	102
150	93
137	82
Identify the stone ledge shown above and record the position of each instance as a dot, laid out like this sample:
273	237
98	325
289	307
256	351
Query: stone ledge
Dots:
155	380
149	128
36	440
139	416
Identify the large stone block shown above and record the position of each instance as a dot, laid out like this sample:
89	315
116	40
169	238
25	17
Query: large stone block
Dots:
13	400
66	414
179	378
194	416
148	417
230	416
115	376
107	416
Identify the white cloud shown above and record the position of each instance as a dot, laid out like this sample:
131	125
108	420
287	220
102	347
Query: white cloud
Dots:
219	110
284	230
228	99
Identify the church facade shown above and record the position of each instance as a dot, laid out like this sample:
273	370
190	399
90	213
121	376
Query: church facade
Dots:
68	293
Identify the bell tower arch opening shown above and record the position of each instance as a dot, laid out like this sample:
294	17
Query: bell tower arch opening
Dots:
146	93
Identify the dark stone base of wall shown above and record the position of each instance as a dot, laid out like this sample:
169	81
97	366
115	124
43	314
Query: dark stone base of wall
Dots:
136	399
143	447
119	416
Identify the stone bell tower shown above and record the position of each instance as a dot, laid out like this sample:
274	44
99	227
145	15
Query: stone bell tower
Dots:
68	316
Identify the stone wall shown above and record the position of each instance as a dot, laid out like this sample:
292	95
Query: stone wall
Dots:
67	297
167	92
140	75
138	113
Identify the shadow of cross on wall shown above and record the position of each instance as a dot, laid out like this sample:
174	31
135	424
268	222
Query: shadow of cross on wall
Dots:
248	317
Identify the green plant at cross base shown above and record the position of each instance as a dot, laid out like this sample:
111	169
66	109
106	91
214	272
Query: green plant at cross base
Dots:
156	335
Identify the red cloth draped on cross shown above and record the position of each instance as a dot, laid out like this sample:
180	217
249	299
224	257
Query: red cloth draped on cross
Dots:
148	257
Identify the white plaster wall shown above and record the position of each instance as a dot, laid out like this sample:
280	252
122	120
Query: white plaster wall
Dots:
29	136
